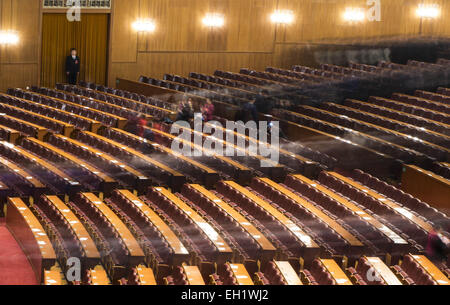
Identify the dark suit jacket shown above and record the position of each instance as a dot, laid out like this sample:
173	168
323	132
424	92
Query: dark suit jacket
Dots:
72	65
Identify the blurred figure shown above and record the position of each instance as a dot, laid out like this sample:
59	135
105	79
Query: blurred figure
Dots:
208	110
132	124
247	112
437	245
264	104
185	110
142	123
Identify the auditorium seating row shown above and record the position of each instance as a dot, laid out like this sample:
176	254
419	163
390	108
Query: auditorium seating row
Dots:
399	196
59	104
193	90
240	96
43	115
396	114
418	111
232	222
101	105
440	97
385	122
404	154
125	94
380	239
90	176
160	173
437	152
110	103
243	86
119	171
121	254
409	230
53	178
421	102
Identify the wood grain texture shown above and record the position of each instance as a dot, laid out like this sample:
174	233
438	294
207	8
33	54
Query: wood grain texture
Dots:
182	44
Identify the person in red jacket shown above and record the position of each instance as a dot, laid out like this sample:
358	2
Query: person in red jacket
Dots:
208	111
142	122
437	245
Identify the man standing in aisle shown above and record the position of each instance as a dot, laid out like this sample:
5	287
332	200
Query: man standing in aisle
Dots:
72	67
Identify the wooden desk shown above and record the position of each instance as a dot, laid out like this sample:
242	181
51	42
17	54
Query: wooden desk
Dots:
384	200
399	112
31	236
336	272
350	238
237	148
383	271
120	121
91	101
136	154
39	131
412	106
222	247
52	278
241	274
268	250
67	128
88	245
409	97
145	276
200	148
194	163
226	110
394	132
170	113
130	242
392	120
34	182
350	154
138	176
351	131
259	143
13	134
306	240
99	276
289	274
107	181
194	277
243	174
394	237
431	269
33	158
427	186
179	250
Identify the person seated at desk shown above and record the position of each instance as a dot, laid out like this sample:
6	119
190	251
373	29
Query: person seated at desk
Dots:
208	110
185	110
438	244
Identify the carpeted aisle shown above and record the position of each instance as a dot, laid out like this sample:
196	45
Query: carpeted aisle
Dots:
14	266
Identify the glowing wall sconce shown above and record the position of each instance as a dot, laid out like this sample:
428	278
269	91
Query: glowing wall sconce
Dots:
352	14
8	38
214	20
431	11
282	17
144	25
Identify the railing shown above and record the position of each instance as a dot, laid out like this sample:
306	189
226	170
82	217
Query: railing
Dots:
102	4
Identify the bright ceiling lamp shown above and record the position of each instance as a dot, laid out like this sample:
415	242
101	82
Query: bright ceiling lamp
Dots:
8	38
282	17
214	20
431	11
144	25
352	14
